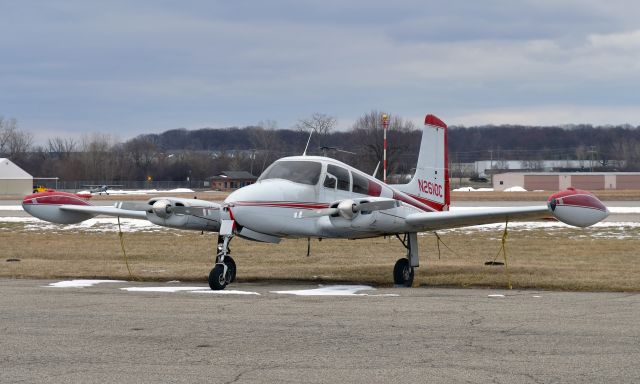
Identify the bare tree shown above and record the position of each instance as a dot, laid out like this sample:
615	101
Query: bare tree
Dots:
264	140
60	147
13	142
320	123
98	157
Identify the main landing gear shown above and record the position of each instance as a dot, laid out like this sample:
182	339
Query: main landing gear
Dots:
224	272
403	271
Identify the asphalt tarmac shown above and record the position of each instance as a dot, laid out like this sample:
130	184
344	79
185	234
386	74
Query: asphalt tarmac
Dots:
105	334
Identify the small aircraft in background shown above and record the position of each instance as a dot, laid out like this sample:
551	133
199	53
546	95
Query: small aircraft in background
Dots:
320	197
100	188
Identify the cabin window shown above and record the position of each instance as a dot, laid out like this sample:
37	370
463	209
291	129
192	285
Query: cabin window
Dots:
341	175
360	184
303	172
330	181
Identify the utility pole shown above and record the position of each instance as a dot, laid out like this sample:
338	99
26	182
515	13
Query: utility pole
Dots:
253	156
592	151
385	125
491	166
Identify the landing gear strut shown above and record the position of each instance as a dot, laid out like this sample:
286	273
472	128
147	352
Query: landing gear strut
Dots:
224	272
403	271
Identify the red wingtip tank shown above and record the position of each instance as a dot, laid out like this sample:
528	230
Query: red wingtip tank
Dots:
577	207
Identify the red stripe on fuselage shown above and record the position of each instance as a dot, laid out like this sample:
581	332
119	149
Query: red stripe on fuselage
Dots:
280	204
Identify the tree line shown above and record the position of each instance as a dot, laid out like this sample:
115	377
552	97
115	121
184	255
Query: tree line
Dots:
181	154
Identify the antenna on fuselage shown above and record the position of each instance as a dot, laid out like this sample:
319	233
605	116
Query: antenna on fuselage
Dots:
307	146
376	170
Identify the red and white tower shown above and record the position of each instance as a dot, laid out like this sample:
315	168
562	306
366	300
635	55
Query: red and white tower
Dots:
385	125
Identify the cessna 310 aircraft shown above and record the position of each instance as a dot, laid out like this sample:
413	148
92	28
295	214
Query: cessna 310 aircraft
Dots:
320	197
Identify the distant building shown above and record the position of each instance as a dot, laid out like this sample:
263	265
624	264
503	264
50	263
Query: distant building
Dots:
230	180
486	167
13	179
562	180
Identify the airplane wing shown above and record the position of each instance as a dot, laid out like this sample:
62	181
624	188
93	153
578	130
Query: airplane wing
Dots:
173	212
572	206
430	221
106	210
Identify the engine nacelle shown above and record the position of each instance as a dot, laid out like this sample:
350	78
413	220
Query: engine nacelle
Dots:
179	213
576	207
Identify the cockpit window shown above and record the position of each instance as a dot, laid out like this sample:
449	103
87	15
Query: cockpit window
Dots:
304	172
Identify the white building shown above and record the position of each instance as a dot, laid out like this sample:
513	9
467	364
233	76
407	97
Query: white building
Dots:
563	180
483	167
13	179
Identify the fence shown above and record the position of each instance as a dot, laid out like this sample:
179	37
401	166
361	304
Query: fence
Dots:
79	185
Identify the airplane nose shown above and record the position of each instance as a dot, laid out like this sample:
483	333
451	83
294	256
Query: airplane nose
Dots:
254	193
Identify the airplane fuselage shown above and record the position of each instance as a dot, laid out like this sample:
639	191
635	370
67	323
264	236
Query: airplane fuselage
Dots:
295	184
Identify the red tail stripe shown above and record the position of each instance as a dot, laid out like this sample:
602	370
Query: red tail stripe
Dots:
414	202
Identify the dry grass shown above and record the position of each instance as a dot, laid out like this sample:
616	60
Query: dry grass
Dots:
565	260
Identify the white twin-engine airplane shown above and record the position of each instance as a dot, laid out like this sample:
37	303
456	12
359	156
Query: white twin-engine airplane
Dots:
311	196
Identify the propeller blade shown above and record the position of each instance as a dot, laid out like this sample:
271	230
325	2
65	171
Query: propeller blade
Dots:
377	205
315	213
131	206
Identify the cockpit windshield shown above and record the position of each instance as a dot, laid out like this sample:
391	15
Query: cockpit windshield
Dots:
304	172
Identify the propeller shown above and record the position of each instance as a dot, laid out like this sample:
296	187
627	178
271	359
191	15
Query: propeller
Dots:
349	208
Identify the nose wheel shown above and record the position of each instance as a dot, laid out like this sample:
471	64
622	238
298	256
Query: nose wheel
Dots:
222	274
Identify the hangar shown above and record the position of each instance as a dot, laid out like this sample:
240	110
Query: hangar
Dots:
13	179
561	180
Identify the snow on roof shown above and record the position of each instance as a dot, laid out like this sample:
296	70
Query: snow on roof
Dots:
8	170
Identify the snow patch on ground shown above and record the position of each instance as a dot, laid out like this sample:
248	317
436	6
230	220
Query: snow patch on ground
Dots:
471	189
228	292
81	283
11	208
101	224
163	289
332	290
188	289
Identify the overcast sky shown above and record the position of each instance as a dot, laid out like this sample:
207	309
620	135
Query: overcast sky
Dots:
131	67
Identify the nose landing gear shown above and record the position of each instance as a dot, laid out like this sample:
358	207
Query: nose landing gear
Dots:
224	272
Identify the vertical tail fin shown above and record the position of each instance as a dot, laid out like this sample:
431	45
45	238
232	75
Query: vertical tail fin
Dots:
430	183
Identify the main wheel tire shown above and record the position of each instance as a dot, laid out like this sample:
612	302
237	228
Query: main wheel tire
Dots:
217	280
403	273
231	269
